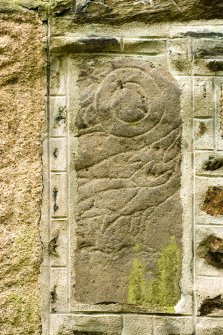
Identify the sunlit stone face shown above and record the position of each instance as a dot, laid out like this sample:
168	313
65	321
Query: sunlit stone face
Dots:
128	211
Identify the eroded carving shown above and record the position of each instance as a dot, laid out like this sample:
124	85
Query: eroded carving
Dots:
128	169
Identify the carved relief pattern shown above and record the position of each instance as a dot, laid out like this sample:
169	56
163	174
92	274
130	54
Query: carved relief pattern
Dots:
128	170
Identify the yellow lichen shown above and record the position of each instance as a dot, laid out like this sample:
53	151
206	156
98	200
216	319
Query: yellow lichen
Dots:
136	291
162	292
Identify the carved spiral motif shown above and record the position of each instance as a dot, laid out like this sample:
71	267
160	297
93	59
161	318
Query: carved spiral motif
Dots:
125	101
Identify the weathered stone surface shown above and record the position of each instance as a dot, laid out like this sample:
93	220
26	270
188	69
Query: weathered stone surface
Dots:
203	97
129	215
213	163
137	324
208	57
120	11
208	257
203	134
211	249
21	102
209	326
86	325
147	10
209	296
86	44
213	201
173	326
211	304
208	164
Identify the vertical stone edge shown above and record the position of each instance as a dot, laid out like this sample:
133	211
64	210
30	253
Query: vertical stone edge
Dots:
22	95
184	306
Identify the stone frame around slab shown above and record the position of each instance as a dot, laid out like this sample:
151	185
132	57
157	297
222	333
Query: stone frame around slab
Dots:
186	61
61	133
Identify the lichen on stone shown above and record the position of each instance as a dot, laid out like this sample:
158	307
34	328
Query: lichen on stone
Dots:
163	291
136	291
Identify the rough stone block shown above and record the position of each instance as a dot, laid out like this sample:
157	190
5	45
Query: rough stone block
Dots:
197	31
209	326
65	26
209	296
58	116
173	326
150	47
185	84
58	70
21	110
59	290
203	97
129	212
209	163
203	134
208	57
180	57
85	324
213	201
137	324
90	44
208	201
209	251
121	11
58	154
58	245
59	195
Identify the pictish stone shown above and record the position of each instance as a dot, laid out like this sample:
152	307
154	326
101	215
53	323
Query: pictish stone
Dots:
129	213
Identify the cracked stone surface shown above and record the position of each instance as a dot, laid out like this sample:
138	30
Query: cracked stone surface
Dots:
129	215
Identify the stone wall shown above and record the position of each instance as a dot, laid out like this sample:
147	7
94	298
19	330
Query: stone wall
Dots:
21	109
112	167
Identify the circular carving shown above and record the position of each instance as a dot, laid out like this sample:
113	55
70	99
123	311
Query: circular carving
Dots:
126	102
129	103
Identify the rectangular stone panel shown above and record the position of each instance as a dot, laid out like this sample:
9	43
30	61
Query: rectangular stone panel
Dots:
173	326
58	68
58	154
127	211
208	57
208	246
180	57
209	296
137	324
208	200
85	324
203	97
58	290
208	163
209	326
203	133
144	46
59	243
58	117
58	195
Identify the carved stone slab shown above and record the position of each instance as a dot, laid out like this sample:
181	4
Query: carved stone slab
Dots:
129	214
